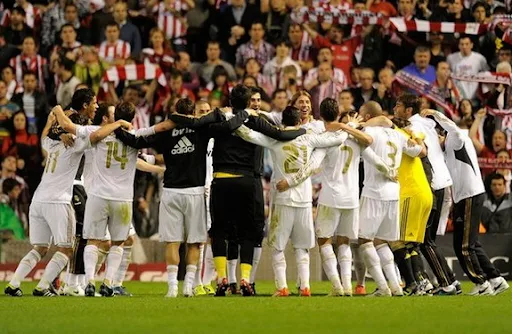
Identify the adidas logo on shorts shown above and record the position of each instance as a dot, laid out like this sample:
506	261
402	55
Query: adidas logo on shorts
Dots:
183	146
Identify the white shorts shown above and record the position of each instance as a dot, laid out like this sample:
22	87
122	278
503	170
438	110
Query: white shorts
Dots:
101	213
379	219
52	221
340	222
293	223
131	233
182	217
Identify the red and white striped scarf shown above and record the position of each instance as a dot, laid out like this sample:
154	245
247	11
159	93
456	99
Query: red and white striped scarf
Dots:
335	15
109	52
494	163
486	78
22	64
171	25
506	122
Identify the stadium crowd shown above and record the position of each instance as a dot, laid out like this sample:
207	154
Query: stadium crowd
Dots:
153	53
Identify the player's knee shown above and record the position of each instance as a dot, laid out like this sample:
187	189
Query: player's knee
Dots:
341	240
42	250
130	241
65	249
324	241
363	241
378	242
396	245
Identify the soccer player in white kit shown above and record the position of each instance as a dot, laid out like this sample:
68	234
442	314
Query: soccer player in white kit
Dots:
379	204
291	216
51	214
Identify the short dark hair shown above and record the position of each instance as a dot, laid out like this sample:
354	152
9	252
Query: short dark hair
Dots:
20	10
421	49
102	111
283	41
9	184
257	22
67	25
410	101
240	97
125	111
112	24
67	63
29	72
185	106
82	97
329	110
175	74
291	116
213	42
278	91
494	176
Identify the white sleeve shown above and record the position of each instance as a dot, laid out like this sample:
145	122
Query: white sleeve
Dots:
451	128
411	150
328	139
144	132
255	137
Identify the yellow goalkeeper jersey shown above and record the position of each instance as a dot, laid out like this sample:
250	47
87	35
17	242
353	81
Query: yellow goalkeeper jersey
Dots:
411	175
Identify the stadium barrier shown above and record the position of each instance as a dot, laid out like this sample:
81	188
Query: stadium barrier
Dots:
149	259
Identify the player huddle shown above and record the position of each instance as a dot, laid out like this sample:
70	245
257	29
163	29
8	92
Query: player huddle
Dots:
212	197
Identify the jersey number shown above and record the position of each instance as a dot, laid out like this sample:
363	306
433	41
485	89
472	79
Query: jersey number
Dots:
113	152
392	155
290	165
51	162
349	160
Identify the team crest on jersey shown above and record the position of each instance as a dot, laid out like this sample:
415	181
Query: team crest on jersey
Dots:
183	146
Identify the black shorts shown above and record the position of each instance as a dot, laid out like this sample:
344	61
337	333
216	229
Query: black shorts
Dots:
259	209
78	201
233	207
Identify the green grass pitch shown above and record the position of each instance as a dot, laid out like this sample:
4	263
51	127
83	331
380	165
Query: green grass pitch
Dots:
149	312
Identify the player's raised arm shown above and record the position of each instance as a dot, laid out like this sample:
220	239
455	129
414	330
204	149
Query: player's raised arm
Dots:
362	138
254	137
63	120
328	139
304	172
49	123
139	141
261	125
106	130
446	124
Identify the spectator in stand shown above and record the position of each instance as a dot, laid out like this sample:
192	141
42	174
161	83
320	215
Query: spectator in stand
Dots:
464	116
234	24
253	69
325	88
279	102
421	67
17	29
90	68
274	15
69	47
290	80
114	50
71	17
499	140
346	102
67	81
498	96
436	48
170	16
9	220
176	85
10	81
159	52
255	48
213	60
324	56
129	32
386	96
381	6
485	43
7	109
301	47
342	49
29	60
219	86
34	102
190	78
99	21
365	92
445	85
467	62
274	68
251	82
32	15
497	208
19	205
503	156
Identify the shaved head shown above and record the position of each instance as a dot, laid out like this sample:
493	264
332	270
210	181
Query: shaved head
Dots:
370	109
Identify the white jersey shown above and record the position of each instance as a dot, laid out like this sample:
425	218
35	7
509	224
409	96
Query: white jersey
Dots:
462	161
315	126
87	175
113	167
61	167
340	176
209	163
289	157
440	173
388	144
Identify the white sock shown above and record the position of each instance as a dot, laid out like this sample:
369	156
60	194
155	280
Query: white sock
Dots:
90	260
102	256
72	280
329	265
398	274
359	266
279	265
387	262
53	269
302	257
189	277
345	261
172	276
232	270
209	266
255	261
372	262
25	266
198	280
82	281
123	267
114	257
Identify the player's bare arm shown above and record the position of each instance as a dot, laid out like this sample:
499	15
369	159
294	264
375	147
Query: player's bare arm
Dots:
49	123
106	130
149	168
362	138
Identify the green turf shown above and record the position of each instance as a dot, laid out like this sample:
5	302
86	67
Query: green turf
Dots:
149	312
